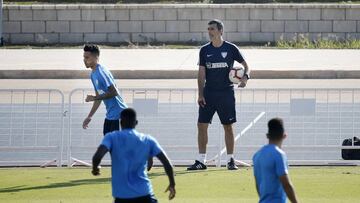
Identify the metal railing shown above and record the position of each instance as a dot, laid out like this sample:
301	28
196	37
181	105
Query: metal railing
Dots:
316	120
167	114
31	127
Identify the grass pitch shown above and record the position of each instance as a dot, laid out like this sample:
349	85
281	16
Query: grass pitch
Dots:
216	185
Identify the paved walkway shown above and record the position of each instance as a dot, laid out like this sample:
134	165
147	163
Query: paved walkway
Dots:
162	63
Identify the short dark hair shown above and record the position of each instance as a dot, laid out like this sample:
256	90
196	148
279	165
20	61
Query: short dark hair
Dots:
219	24
92	48
276	129
128	118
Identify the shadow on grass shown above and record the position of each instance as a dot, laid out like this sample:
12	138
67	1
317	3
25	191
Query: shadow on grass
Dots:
184	172
71	183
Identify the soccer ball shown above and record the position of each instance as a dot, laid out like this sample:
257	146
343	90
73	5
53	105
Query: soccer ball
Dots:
236	73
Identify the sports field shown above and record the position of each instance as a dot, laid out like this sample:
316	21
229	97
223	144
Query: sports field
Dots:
312	184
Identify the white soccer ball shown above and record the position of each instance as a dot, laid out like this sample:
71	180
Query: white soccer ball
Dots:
236	73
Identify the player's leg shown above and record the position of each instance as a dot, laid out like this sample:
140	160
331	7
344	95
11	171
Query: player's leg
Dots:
202	137
229	138
205	116
227	114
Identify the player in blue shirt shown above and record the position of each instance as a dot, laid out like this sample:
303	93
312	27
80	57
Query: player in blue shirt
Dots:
271	168
129	151
216	91
105	90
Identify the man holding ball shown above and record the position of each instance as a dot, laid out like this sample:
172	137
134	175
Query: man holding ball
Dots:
216	91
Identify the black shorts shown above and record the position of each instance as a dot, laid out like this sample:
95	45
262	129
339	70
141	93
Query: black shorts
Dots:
222	102
111	125
143	199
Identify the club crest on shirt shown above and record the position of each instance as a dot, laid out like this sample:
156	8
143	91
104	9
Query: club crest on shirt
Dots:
224	54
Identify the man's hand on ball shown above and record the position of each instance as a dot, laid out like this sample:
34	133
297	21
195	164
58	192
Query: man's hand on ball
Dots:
243	82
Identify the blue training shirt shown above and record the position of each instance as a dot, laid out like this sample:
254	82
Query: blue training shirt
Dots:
270	163
218	61
130	151
102	79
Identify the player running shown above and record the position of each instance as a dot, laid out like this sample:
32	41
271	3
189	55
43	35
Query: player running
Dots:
105	90
129	151
271	168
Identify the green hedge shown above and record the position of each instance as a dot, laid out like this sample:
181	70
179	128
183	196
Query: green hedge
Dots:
277	1
176	1
102	1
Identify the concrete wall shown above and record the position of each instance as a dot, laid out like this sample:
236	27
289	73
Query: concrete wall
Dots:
69	24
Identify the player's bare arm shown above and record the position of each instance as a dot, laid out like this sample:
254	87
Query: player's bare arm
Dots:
99	154
201	84
169	172
245	78
94	108
257	188
288	187
112	92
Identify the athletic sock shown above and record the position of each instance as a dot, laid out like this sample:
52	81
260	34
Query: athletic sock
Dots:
229	156
202	158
